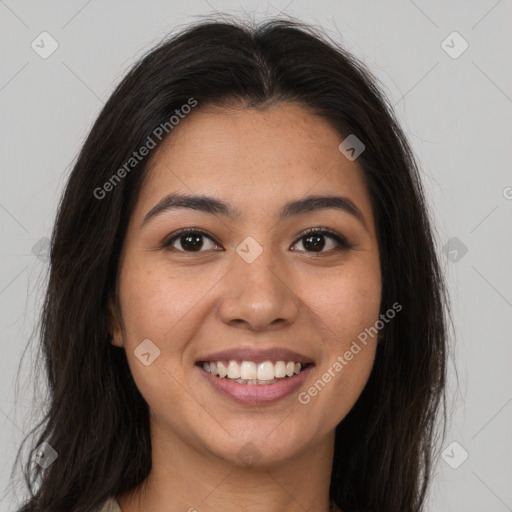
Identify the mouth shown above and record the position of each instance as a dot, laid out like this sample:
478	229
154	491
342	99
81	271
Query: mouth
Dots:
255	377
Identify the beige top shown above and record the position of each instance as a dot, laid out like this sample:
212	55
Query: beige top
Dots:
110	505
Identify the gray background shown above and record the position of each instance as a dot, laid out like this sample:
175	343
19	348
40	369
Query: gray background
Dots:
456	112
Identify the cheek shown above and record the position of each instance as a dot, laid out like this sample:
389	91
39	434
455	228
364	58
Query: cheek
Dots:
344	307
156	302
155	308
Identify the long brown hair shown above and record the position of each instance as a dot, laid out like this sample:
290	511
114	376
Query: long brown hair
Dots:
96	420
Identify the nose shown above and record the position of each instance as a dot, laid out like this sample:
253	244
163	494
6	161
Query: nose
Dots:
259	295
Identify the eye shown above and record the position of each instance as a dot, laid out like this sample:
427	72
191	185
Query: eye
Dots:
191	240
314	240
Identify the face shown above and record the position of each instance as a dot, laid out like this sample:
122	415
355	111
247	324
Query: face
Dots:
246	285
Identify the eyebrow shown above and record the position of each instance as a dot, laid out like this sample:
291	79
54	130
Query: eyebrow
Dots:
214	206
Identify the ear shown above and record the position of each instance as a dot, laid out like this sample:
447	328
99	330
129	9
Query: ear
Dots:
115	330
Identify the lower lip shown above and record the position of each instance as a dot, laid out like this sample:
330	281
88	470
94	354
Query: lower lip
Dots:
256	394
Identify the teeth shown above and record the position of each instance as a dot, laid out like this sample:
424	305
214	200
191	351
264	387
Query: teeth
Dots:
222	371
248	370
255	382
233	370
280	368
266	371
251	373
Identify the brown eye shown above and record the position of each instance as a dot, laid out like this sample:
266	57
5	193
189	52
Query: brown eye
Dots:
189	240
313	240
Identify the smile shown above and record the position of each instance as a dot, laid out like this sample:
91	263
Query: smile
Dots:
251	373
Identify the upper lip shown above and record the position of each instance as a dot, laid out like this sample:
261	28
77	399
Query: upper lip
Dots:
256	355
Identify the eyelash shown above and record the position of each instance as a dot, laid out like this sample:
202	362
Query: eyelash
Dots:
342	243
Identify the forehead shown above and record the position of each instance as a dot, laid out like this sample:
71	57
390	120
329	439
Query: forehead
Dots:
254	159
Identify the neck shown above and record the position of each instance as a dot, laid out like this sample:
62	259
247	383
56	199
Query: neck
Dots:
185	479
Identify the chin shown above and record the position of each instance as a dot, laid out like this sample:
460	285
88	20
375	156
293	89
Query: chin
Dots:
260	447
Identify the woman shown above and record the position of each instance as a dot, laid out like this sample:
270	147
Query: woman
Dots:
245	308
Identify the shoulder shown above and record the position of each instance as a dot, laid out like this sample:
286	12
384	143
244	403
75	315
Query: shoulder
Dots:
109	505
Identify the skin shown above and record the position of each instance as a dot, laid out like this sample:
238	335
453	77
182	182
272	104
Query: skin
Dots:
191	303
